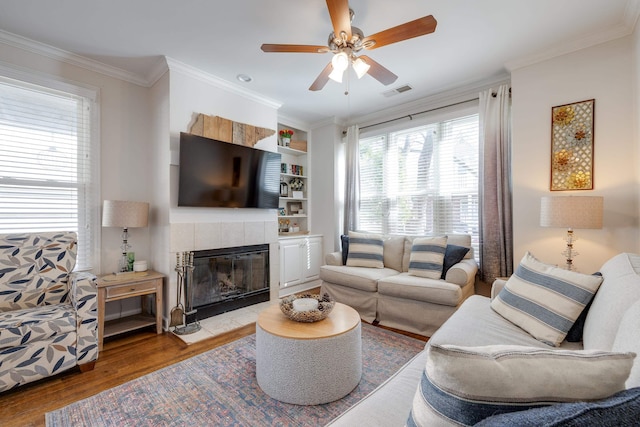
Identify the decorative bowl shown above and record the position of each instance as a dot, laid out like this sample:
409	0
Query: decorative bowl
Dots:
325	305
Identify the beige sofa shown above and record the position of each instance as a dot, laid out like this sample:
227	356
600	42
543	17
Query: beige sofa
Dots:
392	296
611	325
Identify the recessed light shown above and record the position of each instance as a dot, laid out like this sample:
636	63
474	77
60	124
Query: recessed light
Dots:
244	78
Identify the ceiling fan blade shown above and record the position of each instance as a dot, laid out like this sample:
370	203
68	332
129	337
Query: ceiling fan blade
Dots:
379	72
322	79
408	30
340	17
296	48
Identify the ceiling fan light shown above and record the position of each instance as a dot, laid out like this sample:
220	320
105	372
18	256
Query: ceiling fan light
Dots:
340	61
336	75
360	67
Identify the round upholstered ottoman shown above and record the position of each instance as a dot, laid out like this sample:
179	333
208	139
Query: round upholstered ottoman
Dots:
308	363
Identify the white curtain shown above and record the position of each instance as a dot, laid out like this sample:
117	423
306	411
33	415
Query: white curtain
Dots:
352	179
496	232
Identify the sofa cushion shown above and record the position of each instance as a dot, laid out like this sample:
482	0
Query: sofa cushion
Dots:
345	248
627	340
453	255
21	327
427	256
365	250
35	268
363	278
620	289
467	384
453	239
406	286
621	409
393	251
475	324
545	300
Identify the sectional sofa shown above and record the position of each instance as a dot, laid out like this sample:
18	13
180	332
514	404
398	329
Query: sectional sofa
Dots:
481	367
394	297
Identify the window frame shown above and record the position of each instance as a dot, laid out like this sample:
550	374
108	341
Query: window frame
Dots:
437	116
90	218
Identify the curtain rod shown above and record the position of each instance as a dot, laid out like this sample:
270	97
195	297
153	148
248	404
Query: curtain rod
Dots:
410	116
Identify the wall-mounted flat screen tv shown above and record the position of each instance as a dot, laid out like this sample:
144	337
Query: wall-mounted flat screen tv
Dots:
220	174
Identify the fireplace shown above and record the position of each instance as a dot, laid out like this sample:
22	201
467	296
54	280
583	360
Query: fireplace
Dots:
228	279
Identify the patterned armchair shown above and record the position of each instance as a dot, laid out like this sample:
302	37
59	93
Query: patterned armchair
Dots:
48	315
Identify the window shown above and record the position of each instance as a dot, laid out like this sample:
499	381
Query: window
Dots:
422	180
48	179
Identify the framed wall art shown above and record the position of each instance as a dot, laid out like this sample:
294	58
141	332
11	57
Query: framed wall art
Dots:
572	132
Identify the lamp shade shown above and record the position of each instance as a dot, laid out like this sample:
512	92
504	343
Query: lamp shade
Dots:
125	214
571	211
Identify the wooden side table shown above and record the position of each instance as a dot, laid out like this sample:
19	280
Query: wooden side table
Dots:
113	287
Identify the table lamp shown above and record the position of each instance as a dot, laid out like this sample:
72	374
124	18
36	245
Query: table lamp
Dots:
124	214
571	212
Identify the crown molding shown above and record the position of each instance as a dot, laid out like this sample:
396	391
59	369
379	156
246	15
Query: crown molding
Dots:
625	28
196	73
69	58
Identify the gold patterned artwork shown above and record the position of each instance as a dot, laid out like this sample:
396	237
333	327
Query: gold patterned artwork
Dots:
572	146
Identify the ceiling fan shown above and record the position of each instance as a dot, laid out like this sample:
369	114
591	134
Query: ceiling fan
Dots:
345	41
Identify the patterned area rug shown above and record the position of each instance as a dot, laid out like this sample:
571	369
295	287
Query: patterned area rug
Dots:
219	388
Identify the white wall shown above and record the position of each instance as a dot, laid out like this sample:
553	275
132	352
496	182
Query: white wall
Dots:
605	73
325	205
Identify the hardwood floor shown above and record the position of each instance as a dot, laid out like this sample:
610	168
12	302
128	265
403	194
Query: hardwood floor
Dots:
122	359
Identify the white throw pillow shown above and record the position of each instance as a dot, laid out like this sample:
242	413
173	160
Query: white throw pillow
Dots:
467	384
427	257
365	250
545	300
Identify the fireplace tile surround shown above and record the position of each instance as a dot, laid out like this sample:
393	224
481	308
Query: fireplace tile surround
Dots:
218	235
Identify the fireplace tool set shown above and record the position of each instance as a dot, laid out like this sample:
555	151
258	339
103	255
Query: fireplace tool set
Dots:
184	269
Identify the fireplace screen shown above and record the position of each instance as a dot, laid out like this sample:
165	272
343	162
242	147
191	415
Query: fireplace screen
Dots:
230	278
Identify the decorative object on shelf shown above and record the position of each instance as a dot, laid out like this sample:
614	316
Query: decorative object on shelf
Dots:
282	212
299	145
571	212
572	142
290	308
125	214
297	194
222	129
283	168
296	184
293	207
284	189
285	137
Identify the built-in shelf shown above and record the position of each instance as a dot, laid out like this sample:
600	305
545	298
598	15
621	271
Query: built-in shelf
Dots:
291	151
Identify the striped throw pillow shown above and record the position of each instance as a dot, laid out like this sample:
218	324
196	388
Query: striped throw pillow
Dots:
427	257
545	300
365	250
464	385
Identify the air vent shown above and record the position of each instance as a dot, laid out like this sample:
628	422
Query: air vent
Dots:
397	90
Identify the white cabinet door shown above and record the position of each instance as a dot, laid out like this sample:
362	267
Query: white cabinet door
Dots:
290	262
300	260
312	253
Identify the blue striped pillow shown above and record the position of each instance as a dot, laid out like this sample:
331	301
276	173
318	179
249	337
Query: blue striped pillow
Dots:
365	250
545	300
464	385
427	257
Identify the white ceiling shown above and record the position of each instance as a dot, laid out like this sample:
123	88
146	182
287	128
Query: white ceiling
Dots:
475	41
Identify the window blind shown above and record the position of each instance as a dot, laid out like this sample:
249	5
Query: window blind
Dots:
46	160
421	180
